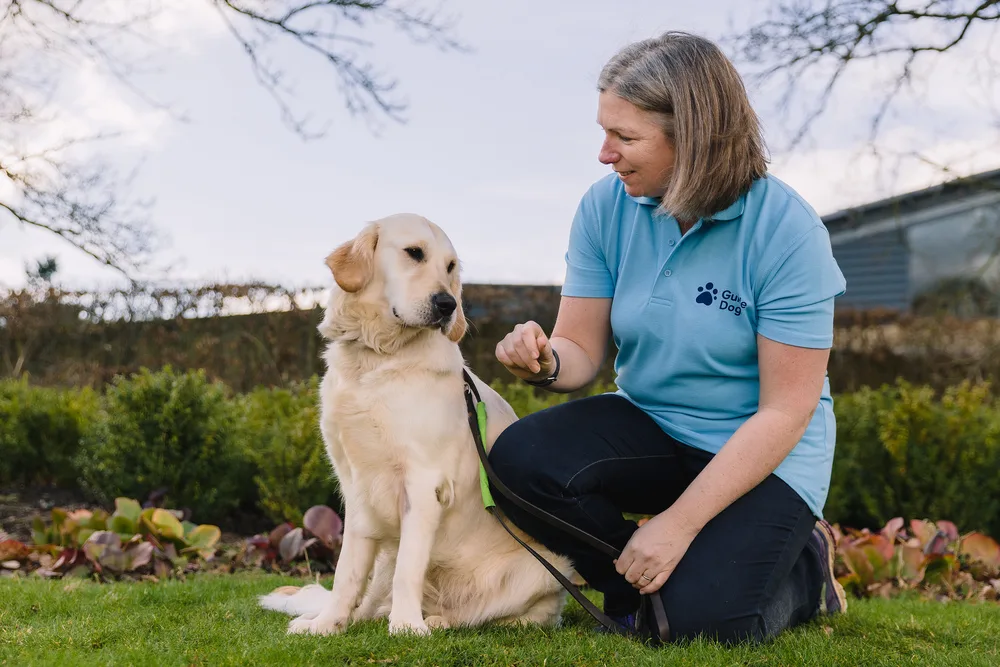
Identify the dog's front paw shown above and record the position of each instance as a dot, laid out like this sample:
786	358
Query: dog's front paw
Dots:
417	627
317	626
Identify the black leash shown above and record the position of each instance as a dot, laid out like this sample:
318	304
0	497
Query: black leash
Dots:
662	633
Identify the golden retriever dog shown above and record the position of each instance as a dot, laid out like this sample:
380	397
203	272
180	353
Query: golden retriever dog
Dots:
418	544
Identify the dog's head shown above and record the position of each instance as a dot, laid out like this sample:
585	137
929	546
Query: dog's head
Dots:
399	273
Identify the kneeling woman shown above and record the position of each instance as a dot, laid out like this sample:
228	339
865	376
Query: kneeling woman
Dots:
717	282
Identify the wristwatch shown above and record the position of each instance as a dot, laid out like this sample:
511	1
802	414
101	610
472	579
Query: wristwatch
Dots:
551	378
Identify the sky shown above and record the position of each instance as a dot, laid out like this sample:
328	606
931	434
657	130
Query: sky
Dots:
499	144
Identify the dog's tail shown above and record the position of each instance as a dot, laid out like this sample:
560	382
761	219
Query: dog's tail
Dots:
306	601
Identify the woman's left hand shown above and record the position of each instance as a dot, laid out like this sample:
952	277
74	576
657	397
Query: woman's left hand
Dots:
654	551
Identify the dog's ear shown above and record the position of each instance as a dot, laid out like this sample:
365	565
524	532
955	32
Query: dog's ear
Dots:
353	262
458	328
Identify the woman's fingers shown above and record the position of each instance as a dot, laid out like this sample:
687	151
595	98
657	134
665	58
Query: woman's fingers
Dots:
526	349
656	584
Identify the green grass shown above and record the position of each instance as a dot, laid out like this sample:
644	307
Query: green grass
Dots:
213	620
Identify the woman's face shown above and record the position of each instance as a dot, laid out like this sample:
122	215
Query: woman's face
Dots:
635	146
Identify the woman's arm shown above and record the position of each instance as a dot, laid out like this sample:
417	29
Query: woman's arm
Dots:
791	383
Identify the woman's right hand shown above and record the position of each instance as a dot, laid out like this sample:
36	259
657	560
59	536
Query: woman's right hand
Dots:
526	352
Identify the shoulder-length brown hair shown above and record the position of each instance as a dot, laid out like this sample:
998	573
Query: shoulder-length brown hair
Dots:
689	84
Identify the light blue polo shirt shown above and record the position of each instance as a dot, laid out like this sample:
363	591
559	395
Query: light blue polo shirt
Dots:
686	310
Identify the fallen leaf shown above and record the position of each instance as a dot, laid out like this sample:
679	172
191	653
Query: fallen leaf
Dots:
325	524
12	549
892	528
949	530
979	547
291	545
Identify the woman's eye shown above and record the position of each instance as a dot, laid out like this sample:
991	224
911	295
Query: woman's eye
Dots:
416	254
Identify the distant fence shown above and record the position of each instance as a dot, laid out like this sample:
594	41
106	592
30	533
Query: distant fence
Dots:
263	335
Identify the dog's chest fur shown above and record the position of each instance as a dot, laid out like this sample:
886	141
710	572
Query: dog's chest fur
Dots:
395	419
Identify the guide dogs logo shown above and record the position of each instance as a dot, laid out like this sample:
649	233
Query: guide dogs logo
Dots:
730	301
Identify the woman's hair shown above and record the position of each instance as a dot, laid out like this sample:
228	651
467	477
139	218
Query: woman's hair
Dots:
689	84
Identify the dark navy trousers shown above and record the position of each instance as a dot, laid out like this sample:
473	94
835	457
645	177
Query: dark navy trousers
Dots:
748	574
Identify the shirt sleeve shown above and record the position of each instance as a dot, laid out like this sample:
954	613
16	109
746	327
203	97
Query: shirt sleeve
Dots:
587	270
795	303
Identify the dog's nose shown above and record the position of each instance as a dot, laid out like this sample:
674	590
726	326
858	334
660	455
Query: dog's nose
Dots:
443	304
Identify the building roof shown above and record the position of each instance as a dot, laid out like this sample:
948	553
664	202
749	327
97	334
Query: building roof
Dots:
910	202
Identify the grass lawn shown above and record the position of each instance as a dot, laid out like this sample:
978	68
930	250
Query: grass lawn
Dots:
213	620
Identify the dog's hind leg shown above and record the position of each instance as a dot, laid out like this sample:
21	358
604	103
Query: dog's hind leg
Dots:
422	509
378	596
355	563
546	611
507	590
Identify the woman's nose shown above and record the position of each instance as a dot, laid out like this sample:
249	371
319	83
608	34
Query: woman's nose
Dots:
607	154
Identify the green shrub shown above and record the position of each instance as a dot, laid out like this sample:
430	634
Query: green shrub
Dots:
172	431
525	399
40	432
282	437
903	451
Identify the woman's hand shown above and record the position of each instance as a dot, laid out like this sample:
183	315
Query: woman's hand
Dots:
526	352
654	550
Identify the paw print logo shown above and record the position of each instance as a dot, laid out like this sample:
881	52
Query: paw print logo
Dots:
707	294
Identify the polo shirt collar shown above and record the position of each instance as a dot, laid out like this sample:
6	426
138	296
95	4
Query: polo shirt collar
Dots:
644	201
731	212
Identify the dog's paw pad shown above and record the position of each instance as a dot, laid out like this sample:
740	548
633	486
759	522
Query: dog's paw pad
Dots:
316	626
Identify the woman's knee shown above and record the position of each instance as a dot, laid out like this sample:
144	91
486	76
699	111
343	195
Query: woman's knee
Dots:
692	613
518	452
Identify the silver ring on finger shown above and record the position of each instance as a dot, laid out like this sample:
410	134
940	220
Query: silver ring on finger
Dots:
643	576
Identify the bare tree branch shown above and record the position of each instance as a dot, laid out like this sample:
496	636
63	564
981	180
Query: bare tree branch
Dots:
821	39
79	205
72	195
320	27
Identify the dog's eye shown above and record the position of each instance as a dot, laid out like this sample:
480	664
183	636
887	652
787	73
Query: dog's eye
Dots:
417	254
451	266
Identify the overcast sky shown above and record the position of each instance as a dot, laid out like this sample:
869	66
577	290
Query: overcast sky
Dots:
500	142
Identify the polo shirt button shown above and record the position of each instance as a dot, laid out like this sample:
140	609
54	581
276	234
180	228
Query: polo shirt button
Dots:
667	273
670	242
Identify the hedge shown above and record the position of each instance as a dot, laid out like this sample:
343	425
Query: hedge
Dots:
235	459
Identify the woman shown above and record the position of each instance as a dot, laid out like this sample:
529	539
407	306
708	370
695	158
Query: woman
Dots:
717	283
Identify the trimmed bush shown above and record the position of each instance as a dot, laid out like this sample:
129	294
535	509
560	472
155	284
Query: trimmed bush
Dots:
282	437
40	432
168	431
525	399
903	451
